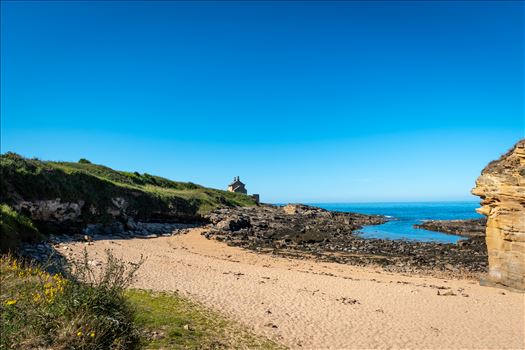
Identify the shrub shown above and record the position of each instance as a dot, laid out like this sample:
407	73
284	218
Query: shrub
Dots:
80	309
14	229
84	161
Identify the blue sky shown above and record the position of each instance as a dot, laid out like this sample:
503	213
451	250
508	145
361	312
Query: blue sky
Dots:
312	102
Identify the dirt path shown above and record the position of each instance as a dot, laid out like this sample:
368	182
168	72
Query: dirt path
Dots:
311	305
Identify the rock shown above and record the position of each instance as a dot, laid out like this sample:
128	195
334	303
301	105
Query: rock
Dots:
348	301
234	223
272	325
302	231
467	228
53	210
501	187
446	294
131	225
156	335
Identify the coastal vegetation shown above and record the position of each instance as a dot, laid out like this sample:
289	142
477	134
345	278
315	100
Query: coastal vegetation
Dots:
70	181
170	321
84	308
72	309
61	196
75	306
15	228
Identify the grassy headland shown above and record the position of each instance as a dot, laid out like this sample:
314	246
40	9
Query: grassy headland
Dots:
100	192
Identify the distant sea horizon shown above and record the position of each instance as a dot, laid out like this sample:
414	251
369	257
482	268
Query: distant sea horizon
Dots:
403	215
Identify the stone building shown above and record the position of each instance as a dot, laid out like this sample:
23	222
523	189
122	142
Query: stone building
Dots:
237	186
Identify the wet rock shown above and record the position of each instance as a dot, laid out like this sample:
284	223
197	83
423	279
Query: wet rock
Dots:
468	228
301	231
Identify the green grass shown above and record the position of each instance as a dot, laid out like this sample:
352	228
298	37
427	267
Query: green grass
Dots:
74	310
148	196
84	308
14	229
173	322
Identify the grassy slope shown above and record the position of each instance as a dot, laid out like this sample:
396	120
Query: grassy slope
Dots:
167	314
15	228
96	185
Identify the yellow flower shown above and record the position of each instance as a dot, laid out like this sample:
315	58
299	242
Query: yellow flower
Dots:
79	333
10	302
36	297
92	334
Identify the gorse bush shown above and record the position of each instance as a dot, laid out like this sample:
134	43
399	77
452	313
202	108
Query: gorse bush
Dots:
84	161
82	308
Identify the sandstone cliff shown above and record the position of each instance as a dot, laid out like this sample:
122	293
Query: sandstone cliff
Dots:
501	187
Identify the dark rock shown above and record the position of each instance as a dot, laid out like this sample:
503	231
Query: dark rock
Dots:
467	228
301	231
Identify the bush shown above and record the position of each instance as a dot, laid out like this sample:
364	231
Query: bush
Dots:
84	161
80	309
14	229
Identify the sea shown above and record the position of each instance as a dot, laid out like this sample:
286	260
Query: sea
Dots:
404	215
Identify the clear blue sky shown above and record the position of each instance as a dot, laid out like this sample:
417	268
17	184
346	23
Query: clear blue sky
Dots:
313	101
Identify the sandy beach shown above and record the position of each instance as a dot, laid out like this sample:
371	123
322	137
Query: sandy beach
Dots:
305	304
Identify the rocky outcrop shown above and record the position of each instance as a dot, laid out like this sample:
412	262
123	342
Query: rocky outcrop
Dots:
301	231
467	228
501	187
53	210
291	224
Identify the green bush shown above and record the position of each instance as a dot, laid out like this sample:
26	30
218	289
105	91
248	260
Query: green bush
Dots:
84	161
80	309
15	229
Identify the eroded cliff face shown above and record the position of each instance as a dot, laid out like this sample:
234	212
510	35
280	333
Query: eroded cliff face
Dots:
501	187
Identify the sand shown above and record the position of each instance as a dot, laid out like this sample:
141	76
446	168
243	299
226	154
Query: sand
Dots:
305	304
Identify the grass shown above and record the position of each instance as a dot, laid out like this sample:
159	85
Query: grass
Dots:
173	322
15	228
84	308
79	309
147	197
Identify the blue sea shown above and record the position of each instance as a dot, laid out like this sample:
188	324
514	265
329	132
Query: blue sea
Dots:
404	215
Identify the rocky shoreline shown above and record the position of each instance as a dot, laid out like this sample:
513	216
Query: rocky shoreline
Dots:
301	231
466	228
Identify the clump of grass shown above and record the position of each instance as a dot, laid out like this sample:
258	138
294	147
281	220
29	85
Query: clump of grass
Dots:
80	309
15	228
173	322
